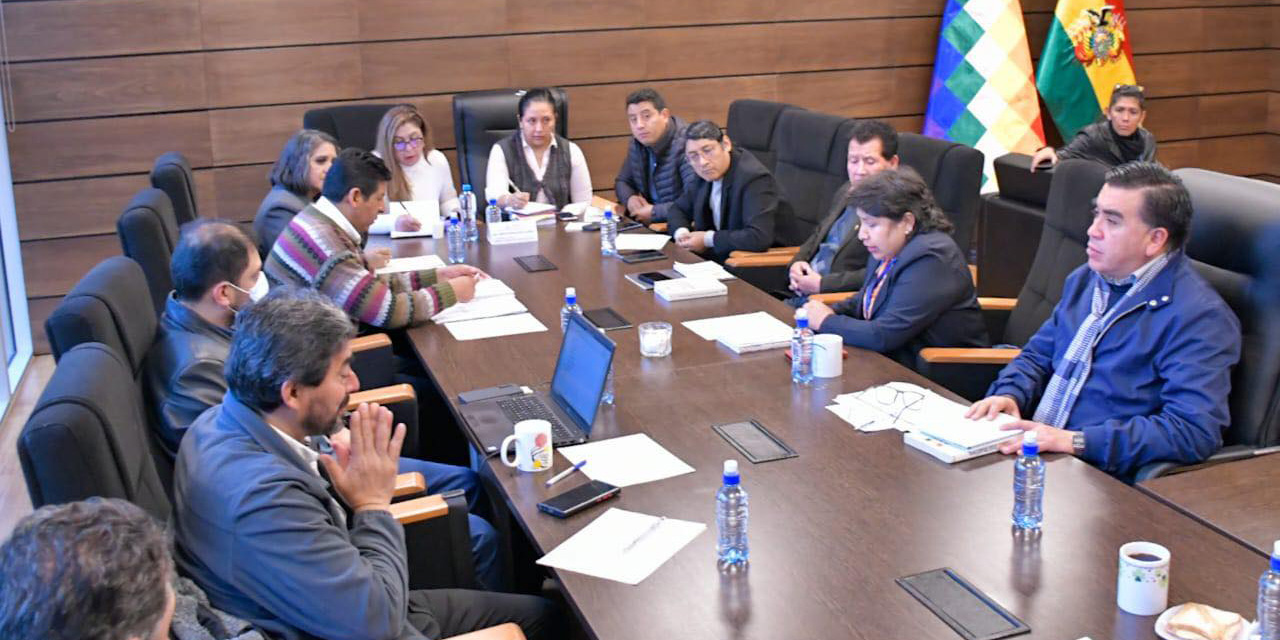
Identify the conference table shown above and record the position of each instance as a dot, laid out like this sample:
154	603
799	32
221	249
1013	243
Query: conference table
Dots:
1235	498
831	529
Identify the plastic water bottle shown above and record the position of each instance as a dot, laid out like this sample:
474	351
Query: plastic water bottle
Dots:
731	519
492	213
467	202
802	349
1028	485
456	238
608	234
570	307
1269	599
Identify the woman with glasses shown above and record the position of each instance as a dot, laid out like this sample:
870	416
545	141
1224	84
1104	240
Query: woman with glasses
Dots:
418	170
918	291
1113	141
296	180
535	164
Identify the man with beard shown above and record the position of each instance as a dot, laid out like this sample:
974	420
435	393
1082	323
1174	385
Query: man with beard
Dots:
257	526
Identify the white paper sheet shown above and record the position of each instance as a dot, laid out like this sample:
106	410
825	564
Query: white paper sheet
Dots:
415	263
909	407
574	226
534	208
600	549
713	328
706	268
642	241
492	288
495	327
426	211
625	461
490	307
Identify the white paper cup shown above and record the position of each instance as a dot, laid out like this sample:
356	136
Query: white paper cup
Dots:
1142	586
828	355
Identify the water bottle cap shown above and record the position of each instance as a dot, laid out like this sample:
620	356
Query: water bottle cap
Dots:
1030	447
731	468
1275	550
493	202
570	294
466	187
453	221
802	314
608	213
1028	437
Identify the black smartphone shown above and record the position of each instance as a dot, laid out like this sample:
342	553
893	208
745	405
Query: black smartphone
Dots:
591	226
632	257
565	215
629	225
650	277
578	498
534	263
606	319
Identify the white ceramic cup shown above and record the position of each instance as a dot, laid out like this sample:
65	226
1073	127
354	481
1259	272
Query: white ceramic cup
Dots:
1142	586
828	355
533	446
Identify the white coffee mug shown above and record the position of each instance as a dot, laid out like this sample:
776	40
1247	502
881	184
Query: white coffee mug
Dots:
533	446
1142	587
828	355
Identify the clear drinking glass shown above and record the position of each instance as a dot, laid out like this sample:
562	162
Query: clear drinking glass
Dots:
655	339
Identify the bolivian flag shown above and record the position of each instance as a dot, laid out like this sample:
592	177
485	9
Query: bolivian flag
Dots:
1085	56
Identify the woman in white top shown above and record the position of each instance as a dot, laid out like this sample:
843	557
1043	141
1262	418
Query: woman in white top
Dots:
541	165
418	170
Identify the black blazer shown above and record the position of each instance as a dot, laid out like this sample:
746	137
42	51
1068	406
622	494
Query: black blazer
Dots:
277	209
927	300
849	265
754	213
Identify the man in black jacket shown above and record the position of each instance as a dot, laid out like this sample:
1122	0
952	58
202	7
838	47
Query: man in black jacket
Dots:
1113	141
736	206
833	259
655	170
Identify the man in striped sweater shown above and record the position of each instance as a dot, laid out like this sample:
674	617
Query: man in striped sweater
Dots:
321	249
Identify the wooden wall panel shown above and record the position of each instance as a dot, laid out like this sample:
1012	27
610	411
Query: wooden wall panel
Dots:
227	81
38	309
80	28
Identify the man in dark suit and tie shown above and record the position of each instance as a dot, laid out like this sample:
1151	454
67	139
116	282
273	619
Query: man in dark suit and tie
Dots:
736	206
833	259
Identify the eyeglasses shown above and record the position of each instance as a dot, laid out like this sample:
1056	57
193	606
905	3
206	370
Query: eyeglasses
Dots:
404	145
896	402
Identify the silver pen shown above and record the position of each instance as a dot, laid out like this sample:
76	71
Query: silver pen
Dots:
653	527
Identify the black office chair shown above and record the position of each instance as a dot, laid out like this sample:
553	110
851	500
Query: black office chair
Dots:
172	175
148	233
751	126
482	118
969	372
811	158
111	305
353	125
1235	230
953	172
1011	223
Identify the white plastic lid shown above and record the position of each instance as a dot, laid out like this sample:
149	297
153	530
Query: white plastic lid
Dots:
1029	437
1275	550
570	291
802	313
731	469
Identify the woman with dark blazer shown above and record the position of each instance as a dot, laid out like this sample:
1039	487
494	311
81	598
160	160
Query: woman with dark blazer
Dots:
918	291
296	181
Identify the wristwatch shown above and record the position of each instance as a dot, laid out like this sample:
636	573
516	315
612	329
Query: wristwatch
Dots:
1077	443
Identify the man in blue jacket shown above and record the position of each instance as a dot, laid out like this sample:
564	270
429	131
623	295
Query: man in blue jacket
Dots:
655	170
1134	365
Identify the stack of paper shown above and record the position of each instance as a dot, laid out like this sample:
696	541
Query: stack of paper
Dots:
711	328
626	461
689	288
493	298
495	327
415	263
755	332
623	546
642	242
705	268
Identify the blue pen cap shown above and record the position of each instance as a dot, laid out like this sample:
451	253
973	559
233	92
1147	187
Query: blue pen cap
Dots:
1029	445
731	472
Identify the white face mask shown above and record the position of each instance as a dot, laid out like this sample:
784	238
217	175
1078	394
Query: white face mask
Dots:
259	289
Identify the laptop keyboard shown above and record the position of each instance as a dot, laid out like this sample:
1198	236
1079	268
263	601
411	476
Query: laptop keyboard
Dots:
532	408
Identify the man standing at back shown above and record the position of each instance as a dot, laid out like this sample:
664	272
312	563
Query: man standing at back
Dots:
1134	364
736	205
655	171
833	259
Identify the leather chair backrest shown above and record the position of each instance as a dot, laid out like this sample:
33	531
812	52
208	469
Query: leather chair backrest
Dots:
172	175
806	141
1231	220
109	305
1068	215
954	173
352	125
1017	182
149	234
482	118
88	436
751	126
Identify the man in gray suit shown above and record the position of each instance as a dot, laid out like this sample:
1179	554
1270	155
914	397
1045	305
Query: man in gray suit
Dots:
257	526
833	259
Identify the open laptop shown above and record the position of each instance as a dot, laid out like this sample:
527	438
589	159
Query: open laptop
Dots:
581	370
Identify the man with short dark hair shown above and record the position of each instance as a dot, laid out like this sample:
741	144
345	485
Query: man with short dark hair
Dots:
737	205
92	569
1113	141
1134	365
655	171
185	365
833	259
260	531
321	249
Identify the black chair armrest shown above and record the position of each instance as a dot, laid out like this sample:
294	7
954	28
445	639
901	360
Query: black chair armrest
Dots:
439	547
1226	454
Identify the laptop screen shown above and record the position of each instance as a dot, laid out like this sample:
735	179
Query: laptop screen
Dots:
583	365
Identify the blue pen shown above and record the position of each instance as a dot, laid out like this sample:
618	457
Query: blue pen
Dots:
565	474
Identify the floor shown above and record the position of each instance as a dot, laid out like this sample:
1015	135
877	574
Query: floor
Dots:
14	503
